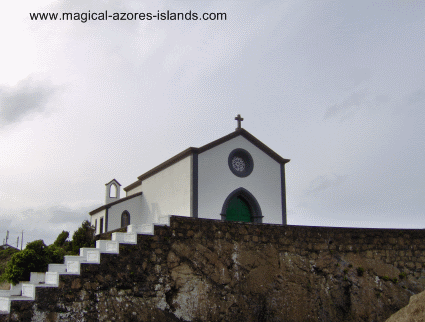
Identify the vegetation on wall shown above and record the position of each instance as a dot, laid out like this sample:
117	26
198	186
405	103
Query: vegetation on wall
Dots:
36	256
5	256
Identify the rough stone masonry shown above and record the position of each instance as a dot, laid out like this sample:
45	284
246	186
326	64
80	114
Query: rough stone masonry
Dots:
208	270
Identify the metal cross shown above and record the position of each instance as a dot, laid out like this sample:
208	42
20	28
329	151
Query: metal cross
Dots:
239	119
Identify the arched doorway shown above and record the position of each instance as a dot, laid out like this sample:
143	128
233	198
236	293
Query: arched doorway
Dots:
241	205
238	210
125	219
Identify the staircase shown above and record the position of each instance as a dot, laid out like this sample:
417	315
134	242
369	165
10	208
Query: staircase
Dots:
25	291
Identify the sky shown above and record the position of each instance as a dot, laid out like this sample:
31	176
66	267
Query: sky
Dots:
337	87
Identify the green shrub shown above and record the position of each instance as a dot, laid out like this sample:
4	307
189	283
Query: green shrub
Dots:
8	252
395	280
385	278
31	259
345	271
402	275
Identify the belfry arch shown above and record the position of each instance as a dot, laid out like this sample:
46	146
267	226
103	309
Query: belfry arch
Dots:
245	197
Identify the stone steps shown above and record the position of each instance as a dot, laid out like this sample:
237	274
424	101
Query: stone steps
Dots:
25	291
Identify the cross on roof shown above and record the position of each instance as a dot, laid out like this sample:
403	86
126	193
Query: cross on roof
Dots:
239	119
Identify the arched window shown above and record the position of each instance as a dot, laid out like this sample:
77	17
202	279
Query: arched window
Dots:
101	226
113	191
125	219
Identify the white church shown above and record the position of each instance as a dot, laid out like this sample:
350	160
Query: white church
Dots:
236	178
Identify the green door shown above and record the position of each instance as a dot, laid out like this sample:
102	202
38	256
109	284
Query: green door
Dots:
238	210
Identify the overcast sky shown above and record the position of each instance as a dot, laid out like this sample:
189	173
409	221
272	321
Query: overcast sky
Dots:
338	87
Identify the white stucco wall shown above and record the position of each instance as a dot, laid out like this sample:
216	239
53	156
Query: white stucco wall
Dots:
134	208
100	214
216	181
168	192
135	190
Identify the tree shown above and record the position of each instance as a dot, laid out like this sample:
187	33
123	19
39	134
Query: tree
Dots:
83	237
31	259
61	240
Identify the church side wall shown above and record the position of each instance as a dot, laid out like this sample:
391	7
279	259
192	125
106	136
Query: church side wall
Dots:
97	216
216	181
133	206
134	191
168	192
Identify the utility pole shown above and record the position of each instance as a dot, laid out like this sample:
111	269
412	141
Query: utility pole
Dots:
17	243
22	239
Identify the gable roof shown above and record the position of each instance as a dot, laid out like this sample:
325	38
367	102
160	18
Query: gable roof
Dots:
113	180
191	150
108	205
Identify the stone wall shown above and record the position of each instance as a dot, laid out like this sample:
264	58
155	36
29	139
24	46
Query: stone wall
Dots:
207	270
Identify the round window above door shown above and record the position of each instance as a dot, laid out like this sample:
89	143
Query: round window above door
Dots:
240	163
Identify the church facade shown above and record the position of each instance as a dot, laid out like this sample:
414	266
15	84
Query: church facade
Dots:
236	177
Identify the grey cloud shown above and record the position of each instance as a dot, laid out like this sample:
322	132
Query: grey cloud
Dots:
324	182
64	215
27	97
415	97
381	99
44	223
360	75
355	99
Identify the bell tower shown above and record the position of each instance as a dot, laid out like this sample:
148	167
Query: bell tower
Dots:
112	191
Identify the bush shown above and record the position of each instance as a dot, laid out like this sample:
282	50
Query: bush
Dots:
360	271
31	259
7	253
402	275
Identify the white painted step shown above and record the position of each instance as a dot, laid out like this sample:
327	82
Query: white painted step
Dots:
125	238
6	301
73	267
15	290
92	255
60	268
145	229
37	278
28	290
52	279
164	220
108	246
70	268
4	305
74	258
48	279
